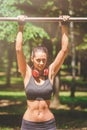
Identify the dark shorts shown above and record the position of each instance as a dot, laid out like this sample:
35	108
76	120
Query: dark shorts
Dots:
47	125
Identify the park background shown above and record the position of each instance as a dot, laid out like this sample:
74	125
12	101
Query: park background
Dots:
69	104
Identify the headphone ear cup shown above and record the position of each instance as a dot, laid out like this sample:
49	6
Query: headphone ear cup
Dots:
46	71
35	73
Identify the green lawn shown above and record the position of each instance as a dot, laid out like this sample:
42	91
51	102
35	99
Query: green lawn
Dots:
18	98
13	103
73	113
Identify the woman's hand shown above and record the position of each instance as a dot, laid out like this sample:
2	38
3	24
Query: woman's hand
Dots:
21	20
65	20
65	17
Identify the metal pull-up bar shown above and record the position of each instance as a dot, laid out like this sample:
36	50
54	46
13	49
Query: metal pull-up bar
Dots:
44	19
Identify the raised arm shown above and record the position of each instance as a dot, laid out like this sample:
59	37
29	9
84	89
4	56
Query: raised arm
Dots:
55	66
22	65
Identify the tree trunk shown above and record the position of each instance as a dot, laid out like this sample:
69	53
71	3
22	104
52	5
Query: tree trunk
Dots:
73	63
55	102
73	88
10	61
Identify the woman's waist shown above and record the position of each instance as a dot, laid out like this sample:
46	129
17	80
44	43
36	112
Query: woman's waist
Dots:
38	115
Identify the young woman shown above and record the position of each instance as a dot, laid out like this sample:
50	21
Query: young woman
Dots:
38	81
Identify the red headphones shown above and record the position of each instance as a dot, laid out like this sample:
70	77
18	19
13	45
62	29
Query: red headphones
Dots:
36	73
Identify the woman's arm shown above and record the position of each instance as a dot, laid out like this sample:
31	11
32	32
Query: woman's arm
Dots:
22	65
55	66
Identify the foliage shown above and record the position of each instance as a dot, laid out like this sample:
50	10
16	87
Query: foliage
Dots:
8	30
33	34
19	95
83	46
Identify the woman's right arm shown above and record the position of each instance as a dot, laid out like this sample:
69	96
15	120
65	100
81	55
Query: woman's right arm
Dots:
22	65
19	52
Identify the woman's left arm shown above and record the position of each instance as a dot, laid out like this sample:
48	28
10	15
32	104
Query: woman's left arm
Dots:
55	66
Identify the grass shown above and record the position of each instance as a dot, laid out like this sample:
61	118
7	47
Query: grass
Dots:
80	100
14	79
18	98
4	128
13	104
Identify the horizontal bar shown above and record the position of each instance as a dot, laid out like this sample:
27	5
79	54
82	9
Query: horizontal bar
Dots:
44	19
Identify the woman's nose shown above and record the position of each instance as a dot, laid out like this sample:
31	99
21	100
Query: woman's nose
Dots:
41	62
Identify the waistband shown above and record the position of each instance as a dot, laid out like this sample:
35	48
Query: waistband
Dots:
46	125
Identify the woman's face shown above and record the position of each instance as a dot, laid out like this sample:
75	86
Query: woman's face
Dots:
39	60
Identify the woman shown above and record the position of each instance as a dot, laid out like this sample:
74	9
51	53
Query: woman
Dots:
38	81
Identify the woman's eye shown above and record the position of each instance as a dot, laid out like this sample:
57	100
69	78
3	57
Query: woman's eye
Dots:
43	61
38	60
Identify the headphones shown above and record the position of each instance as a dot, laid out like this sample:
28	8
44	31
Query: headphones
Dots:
36	73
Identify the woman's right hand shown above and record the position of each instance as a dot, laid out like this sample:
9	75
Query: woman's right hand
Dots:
21	20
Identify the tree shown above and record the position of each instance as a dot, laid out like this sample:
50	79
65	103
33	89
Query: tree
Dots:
33	33
9	30
62	7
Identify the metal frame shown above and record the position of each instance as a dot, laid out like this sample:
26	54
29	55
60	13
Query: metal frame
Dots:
44	19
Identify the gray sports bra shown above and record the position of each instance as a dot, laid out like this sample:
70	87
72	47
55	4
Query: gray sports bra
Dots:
38	92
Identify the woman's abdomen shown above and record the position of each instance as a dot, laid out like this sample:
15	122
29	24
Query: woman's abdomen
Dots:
38	111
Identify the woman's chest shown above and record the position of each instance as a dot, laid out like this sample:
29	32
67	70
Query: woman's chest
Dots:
42	90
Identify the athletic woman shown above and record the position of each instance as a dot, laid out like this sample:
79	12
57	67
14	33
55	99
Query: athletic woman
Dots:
38	81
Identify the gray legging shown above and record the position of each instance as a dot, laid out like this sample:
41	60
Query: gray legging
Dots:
47	125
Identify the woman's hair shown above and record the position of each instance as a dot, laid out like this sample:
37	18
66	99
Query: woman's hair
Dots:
39	48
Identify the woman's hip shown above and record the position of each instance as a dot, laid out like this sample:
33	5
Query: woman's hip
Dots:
46	125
